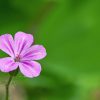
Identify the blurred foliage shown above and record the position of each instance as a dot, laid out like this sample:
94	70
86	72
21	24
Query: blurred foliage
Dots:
69	29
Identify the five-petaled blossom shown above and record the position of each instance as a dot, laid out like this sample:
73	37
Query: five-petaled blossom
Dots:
22	54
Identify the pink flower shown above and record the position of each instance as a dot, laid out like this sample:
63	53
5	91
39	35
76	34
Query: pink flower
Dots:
21	53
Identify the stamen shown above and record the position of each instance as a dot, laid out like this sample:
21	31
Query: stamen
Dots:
17	59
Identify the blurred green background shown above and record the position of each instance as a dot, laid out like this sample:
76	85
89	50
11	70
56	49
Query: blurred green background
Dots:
70	31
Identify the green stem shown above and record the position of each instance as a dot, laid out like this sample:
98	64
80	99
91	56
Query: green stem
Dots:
7	87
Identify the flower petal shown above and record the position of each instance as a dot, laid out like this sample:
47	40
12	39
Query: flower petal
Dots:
35	52
7	64
6	44
30	68
22	42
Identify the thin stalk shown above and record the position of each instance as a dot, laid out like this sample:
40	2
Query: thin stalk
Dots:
7	87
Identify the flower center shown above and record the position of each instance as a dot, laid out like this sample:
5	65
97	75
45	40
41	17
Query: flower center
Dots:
17	59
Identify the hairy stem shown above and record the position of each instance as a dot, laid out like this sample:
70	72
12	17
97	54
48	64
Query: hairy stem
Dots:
7	87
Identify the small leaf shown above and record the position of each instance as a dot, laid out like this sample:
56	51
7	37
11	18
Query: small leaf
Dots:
14	73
